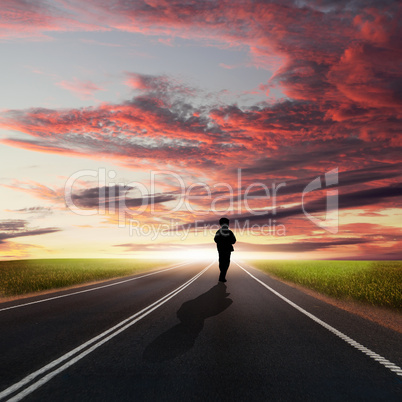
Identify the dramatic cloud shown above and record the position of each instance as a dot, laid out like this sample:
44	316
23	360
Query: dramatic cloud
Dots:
12	225
115	196
38	211
298	247
13	228
375	174
163	87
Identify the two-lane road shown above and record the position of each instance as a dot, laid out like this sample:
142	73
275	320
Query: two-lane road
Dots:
178	334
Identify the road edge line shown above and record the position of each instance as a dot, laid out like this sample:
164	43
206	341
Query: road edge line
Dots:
375	356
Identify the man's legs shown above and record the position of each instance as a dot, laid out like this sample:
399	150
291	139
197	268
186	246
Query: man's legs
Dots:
224	262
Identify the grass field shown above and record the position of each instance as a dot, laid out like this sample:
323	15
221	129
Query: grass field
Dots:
378	283
27	276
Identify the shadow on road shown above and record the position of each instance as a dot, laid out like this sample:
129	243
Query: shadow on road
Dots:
180	338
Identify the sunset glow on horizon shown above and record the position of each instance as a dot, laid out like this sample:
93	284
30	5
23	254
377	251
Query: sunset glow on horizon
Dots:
127	129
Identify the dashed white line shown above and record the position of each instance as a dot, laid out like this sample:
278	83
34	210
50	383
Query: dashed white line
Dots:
382	360
92	289
101	338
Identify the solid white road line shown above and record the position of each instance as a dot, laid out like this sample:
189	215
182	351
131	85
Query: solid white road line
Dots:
382	360
112	332
92	289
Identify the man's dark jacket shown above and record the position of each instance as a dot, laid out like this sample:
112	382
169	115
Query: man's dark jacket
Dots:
224	239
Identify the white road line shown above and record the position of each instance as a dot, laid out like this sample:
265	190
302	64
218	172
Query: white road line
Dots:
92	289
382	360
112	332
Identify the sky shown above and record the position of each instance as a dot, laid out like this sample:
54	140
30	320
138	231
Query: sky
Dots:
128	128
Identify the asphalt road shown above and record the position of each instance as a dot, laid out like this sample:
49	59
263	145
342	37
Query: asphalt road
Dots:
179	335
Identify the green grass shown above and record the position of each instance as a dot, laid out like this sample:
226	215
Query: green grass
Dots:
27	276
378	283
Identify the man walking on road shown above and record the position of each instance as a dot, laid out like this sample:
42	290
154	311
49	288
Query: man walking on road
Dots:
224	239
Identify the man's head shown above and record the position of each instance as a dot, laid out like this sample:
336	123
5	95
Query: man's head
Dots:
224	221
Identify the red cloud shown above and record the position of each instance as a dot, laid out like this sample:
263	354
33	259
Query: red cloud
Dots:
38	190
33	20
363	75
161	87
84	89
375	26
